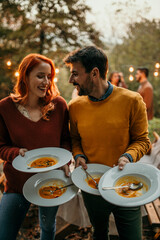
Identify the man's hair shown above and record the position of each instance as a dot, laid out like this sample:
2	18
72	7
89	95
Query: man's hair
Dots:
144	70
90	57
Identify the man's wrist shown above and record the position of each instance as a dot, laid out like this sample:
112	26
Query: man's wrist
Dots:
80	155
127	155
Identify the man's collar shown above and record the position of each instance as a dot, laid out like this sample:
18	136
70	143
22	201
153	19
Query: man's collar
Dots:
107	93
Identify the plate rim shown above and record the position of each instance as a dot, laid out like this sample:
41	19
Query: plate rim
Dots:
71	191
127	202
89	165
32	153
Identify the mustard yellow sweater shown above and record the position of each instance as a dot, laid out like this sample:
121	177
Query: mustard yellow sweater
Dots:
106	129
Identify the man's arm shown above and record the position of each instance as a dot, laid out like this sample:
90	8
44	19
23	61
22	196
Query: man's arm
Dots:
139	141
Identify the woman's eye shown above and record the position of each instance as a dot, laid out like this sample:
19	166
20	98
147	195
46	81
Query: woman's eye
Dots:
40	76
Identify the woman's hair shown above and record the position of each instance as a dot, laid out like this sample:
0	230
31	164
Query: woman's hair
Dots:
21	88
111	75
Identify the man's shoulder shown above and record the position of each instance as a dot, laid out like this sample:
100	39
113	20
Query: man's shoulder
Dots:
80	100
148	85
123	92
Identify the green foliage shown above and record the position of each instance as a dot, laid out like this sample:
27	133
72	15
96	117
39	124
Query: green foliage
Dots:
63	85
52	28
154	125
140	48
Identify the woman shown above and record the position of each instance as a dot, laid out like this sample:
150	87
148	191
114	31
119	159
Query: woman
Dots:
117	79
34	116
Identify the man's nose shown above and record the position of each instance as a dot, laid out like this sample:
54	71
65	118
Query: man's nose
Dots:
71	79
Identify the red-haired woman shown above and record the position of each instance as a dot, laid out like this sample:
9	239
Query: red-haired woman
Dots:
34	116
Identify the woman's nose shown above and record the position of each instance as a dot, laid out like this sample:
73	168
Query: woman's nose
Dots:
46	80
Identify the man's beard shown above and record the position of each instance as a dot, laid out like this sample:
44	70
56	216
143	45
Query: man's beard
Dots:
138	79
86	91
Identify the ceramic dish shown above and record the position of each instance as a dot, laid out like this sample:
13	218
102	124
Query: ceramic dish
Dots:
148	174
33	184
79	176
23	164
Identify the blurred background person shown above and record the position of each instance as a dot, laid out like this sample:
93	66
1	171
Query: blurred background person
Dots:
117	79
145	90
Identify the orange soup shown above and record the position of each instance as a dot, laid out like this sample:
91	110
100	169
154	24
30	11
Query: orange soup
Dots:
43	162
44	192
91	183
128	193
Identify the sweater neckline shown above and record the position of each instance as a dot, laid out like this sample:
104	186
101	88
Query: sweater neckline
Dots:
20	114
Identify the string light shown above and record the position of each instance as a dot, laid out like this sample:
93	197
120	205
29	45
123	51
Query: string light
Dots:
156	74
55	79
9	63
131	69
16	74
157	65
131	78
57	70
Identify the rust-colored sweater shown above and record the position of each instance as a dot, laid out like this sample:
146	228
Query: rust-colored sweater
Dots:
146	91
17	131
104	130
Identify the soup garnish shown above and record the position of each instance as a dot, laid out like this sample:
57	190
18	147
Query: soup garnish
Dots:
43	162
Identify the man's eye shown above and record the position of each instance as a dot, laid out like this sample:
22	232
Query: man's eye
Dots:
75	74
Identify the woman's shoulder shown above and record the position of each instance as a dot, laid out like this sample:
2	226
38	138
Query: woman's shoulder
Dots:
60	102
59	99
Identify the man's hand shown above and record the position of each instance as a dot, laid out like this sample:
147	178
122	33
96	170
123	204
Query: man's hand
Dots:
122	162
22	151
66	170
81	161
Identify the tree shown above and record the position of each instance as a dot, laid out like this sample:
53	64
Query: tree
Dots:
47	27
140	48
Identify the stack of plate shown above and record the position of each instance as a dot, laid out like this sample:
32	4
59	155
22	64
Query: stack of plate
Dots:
45	175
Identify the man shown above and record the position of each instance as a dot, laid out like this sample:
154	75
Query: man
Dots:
145	89
108	126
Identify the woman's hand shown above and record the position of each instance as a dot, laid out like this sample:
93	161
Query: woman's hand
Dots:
122	162
22	151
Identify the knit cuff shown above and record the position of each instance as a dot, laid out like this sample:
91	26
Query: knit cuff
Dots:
128	156
80	155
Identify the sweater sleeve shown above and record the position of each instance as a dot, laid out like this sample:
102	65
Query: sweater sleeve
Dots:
148	97
65	137
139	141
76	139
7	151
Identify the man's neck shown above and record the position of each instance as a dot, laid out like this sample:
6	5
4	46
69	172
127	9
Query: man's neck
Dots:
100	90
143	80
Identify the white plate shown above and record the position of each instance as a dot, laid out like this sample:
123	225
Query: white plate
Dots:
148	173
34	183
22	163
79	176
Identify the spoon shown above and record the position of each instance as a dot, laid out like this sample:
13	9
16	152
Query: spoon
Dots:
87	173
52	191
132	186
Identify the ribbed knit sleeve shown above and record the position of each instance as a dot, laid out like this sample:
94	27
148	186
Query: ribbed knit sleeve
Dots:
139	141
76	139
7	151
